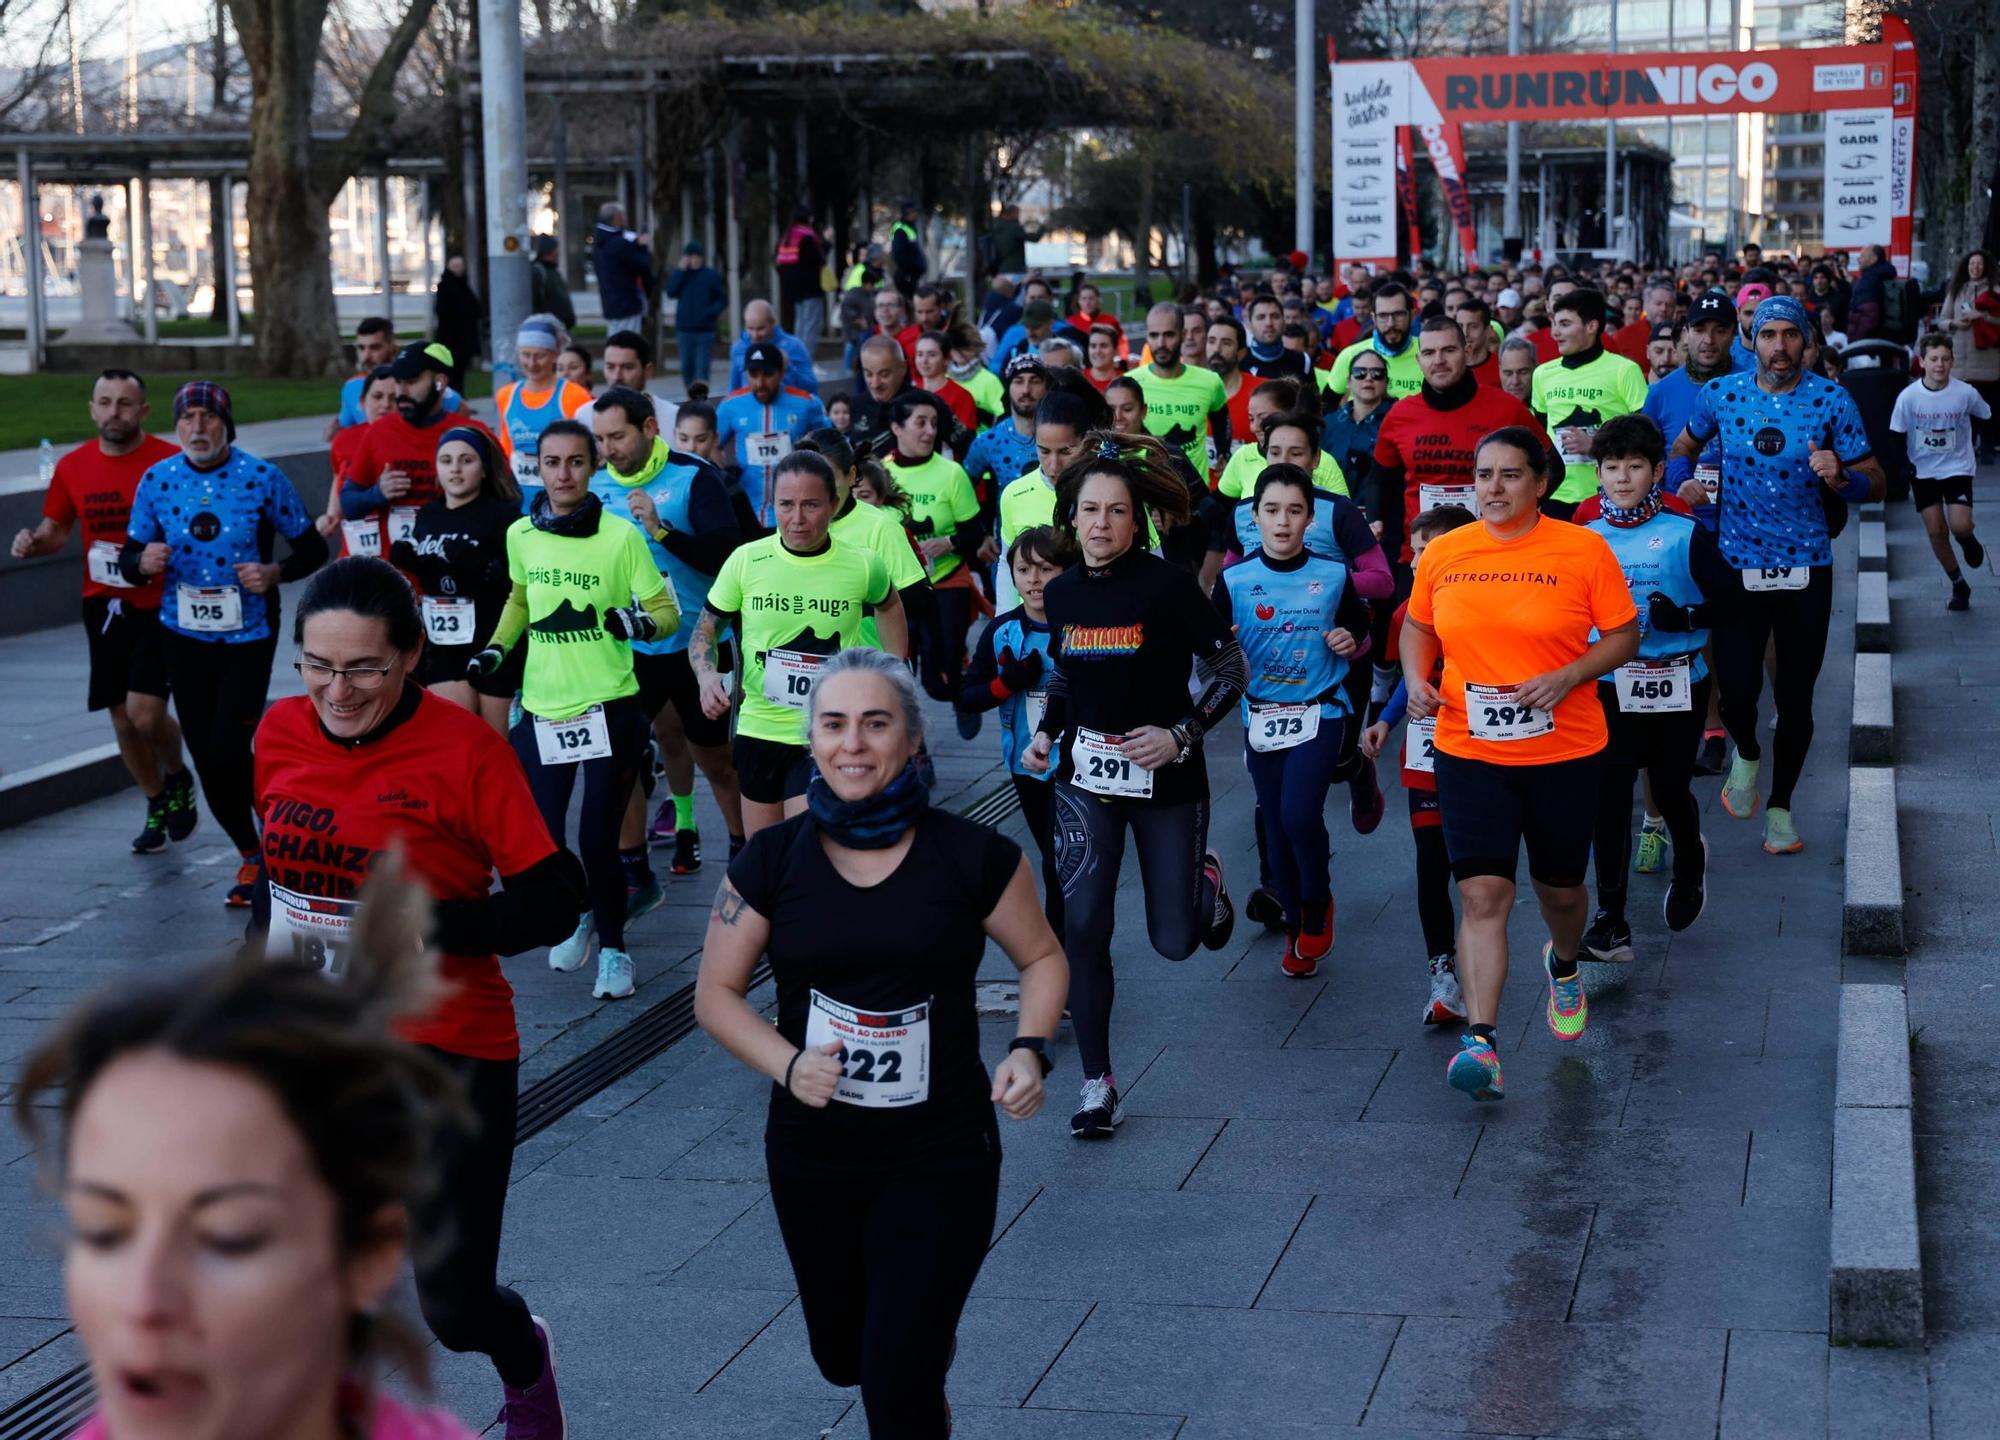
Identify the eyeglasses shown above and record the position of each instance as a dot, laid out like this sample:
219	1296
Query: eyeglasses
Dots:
361	677
1368	374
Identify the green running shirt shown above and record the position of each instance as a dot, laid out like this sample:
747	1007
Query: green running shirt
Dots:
1239	476
1180	410
571	581
941	499
1581	398
873	528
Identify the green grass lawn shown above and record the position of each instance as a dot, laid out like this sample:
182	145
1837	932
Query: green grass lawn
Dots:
57	407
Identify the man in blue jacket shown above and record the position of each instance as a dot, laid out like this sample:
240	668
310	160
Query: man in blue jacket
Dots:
624	270
761	327
702	295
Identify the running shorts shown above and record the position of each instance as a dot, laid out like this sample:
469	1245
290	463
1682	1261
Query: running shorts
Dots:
127	655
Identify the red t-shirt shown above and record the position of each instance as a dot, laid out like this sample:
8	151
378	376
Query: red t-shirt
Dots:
1240	432
1435	447
1487	371
1545	345
393	443
97	489
1425	780
442	786
958	398
1345	333
1631	341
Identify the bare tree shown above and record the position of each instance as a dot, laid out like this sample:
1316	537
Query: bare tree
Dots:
293	181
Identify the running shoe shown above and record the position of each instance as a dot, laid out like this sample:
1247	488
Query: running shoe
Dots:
1686	900
571	954
536	1413
1314	942
1297	966
1365	800
153	837
1781	836
1608	938
662	830
614	975
1475	1069
1223	920
1739	791
1712	755
1262	907
1447	1003
182	816
244	892
1975	553
1569	1011
1651	855
687	852
1099	1113
969	722
1961	596
644	898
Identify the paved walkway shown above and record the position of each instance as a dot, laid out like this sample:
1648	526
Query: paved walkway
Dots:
1299	1230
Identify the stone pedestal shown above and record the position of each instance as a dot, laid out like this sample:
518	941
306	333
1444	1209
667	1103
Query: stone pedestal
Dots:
97	287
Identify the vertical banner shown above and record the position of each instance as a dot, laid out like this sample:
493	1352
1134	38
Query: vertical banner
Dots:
1446	144
1903	150
1366	99
1406	192
1860	170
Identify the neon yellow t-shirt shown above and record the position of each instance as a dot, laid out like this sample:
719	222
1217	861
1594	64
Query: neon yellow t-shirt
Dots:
1181	410
804	606
1578	399
1406	375
571	581
988	394
941	499
876	529
1239	476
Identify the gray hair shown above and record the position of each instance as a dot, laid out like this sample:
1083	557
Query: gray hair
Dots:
1517	342
611	213
869	661
1055	348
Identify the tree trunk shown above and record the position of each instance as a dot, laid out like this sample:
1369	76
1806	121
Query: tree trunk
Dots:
1982	209
1142	235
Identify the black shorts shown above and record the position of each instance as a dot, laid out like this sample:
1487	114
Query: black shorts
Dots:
127	655
1926	493
770	773
670	679
1490	810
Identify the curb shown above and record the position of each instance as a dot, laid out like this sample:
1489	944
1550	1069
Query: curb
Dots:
1875	1288
1874	551
1871	739
59	784
1871	612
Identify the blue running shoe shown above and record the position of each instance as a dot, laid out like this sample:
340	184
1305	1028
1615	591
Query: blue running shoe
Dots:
1475	1069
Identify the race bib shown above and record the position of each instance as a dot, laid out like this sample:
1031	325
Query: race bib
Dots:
1429	497
448	622
1102	770
1776	577
211	609
1573	441
885	1059
1420	746
310	930
566	742
789	677
1213	458
100	563
768	448
1710	477
1938	439
527	468
402	523
1281	727
1037	704
363	537
1653	689
1492	713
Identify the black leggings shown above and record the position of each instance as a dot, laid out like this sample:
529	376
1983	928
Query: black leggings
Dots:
456	1227
1434	890
1180	903
1664	747
607	785
1797	620
220	691
944	646
1035	807
883	1264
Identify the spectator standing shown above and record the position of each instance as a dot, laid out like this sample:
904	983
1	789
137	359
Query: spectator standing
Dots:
1866	301
700	295
458	311
1970	314
624	268
907	260
547	286
1009	242
801	264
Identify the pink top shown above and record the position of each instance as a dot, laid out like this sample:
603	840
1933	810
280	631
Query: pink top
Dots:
392	1422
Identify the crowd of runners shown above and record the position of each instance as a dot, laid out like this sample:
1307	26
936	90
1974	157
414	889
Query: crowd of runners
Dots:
1539	535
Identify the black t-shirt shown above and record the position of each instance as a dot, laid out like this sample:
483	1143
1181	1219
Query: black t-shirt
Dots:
914	939
1124	638
462	555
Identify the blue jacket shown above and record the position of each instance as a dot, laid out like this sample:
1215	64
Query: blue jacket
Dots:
702	296
624	272
798	362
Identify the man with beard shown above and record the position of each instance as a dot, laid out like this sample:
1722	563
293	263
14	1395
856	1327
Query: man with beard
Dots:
394	471
1391	340
1267	356
1005	452
1185	404
1226	344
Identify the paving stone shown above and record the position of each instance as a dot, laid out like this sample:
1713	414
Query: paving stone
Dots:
1776	1387
990	1422
1403	1257
1238	1365
733	1150
1151	1152
1875	1276
1151	1247
1878	1395
1582	1085
1790	1167
1795	1093
32	1353
639	1147
1629	1166
1874	1047
1660	1020
1617	1382
1964	1381
1335	1157
612	1231
1271	1085
1713	1266
1872	918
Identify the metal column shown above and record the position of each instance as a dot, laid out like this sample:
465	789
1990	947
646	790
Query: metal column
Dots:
152	319
1611	155
732	156
1510	222
31	267
382	261
226	259
503	123
1304	91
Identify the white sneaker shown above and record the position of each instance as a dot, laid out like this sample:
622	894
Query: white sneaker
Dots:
614	975
1447	1003
571	954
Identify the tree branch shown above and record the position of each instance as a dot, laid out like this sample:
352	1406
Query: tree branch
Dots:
375	110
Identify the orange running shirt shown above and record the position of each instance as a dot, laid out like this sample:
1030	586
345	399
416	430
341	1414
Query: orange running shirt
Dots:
1507	610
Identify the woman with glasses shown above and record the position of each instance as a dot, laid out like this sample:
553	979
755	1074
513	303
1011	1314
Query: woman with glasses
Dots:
1347	434
368	762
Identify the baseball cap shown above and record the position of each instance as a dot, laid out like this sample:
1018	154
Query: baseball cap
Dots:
416	357
1662	331
1752	294
1508	299
1038	312
1712	305
763	356
693	247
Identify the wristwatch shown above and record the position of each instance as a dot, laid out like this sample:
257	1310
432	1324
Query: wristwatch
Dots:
1036	1044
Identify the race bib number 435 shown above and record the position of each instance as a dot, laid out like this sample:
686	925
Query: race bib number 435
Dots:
885	1057
1493	713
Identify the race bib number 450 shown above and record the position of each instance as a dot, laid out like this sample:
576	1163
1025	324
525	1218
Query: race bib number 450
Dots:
885	1057
1493	713
1653	689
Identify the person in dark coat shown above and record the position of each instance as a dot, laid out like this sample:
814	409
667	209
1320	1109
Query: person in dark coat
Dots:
624	268
459	311
548	289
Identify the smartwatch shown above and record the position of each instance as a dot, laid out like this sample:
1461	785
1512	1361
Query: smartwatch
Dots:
1036	1044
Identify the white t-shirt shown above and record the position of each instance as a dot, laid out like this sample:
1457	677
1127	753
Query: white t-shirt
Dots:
1938	427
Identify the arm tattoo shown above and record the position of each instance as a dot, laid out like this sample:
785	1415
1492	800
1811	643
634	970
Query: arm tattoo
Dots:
729	905
701	644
